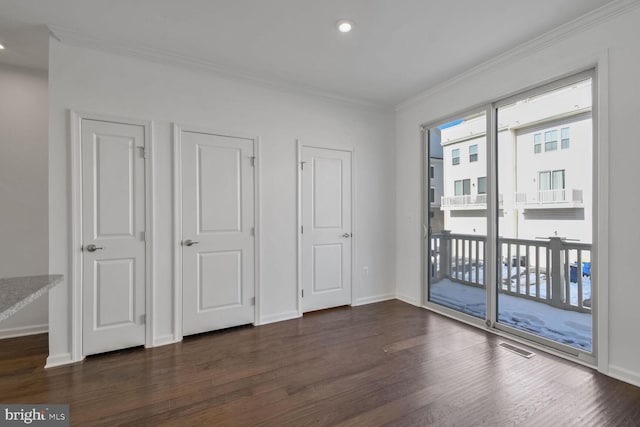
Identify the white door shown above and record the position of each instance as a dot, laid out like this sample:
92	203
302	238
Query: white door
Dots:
218	231
113	226
326	228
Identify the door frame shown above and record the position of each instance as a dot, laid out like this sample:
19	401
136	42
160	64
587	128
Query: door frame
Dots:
598	70
300	145
177	129
75	134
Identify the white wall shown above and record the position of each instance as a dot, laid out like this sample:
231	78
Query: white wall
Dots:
90	81
614	41
24	238
464	219
575	161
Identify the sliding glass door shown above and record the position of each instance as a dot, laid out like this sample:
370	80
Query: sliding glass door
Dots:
544	167
456	214
508	215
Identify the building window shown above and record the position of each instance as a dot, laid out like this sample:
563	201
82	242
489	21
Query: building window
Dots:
551	140
432	194
466	187
473	153
482	185
544	180
564	138
551	180
432	172
537	143
455	160
557	180
462	187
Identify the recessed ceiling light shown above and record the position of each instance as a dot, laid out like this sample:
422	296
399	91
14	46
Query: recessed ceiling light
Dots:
1	47
344	25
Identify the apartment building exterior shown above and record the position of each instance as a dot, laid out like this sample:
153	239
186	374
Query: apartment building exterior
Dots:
544	168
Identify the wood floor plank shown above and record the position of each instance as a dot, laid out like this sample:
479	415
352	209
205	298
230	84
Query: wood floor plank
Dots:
381	364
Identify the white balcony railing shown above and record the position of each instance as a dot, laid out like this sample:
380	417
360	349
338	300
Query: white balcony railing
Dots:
551	199
469	202
556	271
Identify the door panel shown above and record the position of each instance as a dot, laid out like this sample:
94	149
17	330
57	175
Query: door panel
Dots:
115	178
326	221
115	289
218	214
219	184
327	196
456	217
113	219
224	268
327	268
545	246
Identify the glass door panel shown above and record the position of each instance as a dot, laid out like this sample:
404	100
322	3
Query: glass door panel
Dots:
455	211
544	166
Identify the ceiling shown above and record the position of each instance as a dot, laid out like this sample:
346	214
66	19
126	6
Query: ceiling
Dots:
26	45
396	49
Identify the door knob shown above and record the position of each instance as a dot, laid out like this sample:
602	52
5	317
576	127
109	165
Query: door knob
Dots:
189	242
93	248
347	235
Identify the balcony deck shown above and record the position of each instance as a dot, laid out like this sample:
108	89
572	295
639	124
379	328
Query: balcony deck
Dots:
565	326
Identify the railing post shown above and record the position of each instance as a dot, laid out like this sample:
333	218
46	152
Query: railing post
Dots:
445	253
436	247
557	267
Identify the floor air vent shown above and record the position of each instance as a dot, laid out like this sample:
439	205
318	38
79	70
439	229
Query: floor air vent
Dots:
517	350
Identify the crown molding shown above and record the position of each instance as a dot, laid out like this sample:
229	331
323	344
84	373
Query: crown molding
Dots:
24	69
152	54
580	24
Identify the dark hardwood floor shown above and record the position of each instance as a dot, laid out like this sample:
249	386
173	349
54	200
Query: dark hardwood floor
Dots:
381	364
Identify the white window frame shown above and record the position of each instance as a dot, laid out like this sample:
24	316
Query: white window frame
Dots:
551	180
455	187
455	156
485	184
473	157
565	143
537	143
551	142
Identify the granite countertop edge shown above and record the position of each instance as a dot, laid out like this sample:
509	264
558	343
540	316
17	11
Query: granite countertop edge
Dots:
53	280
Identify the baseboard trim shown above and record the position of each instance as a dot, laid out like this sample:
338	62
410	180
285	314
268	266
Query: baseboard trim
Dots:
373	299
279	317
23	331
408	300
625	375
164	340
59	360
